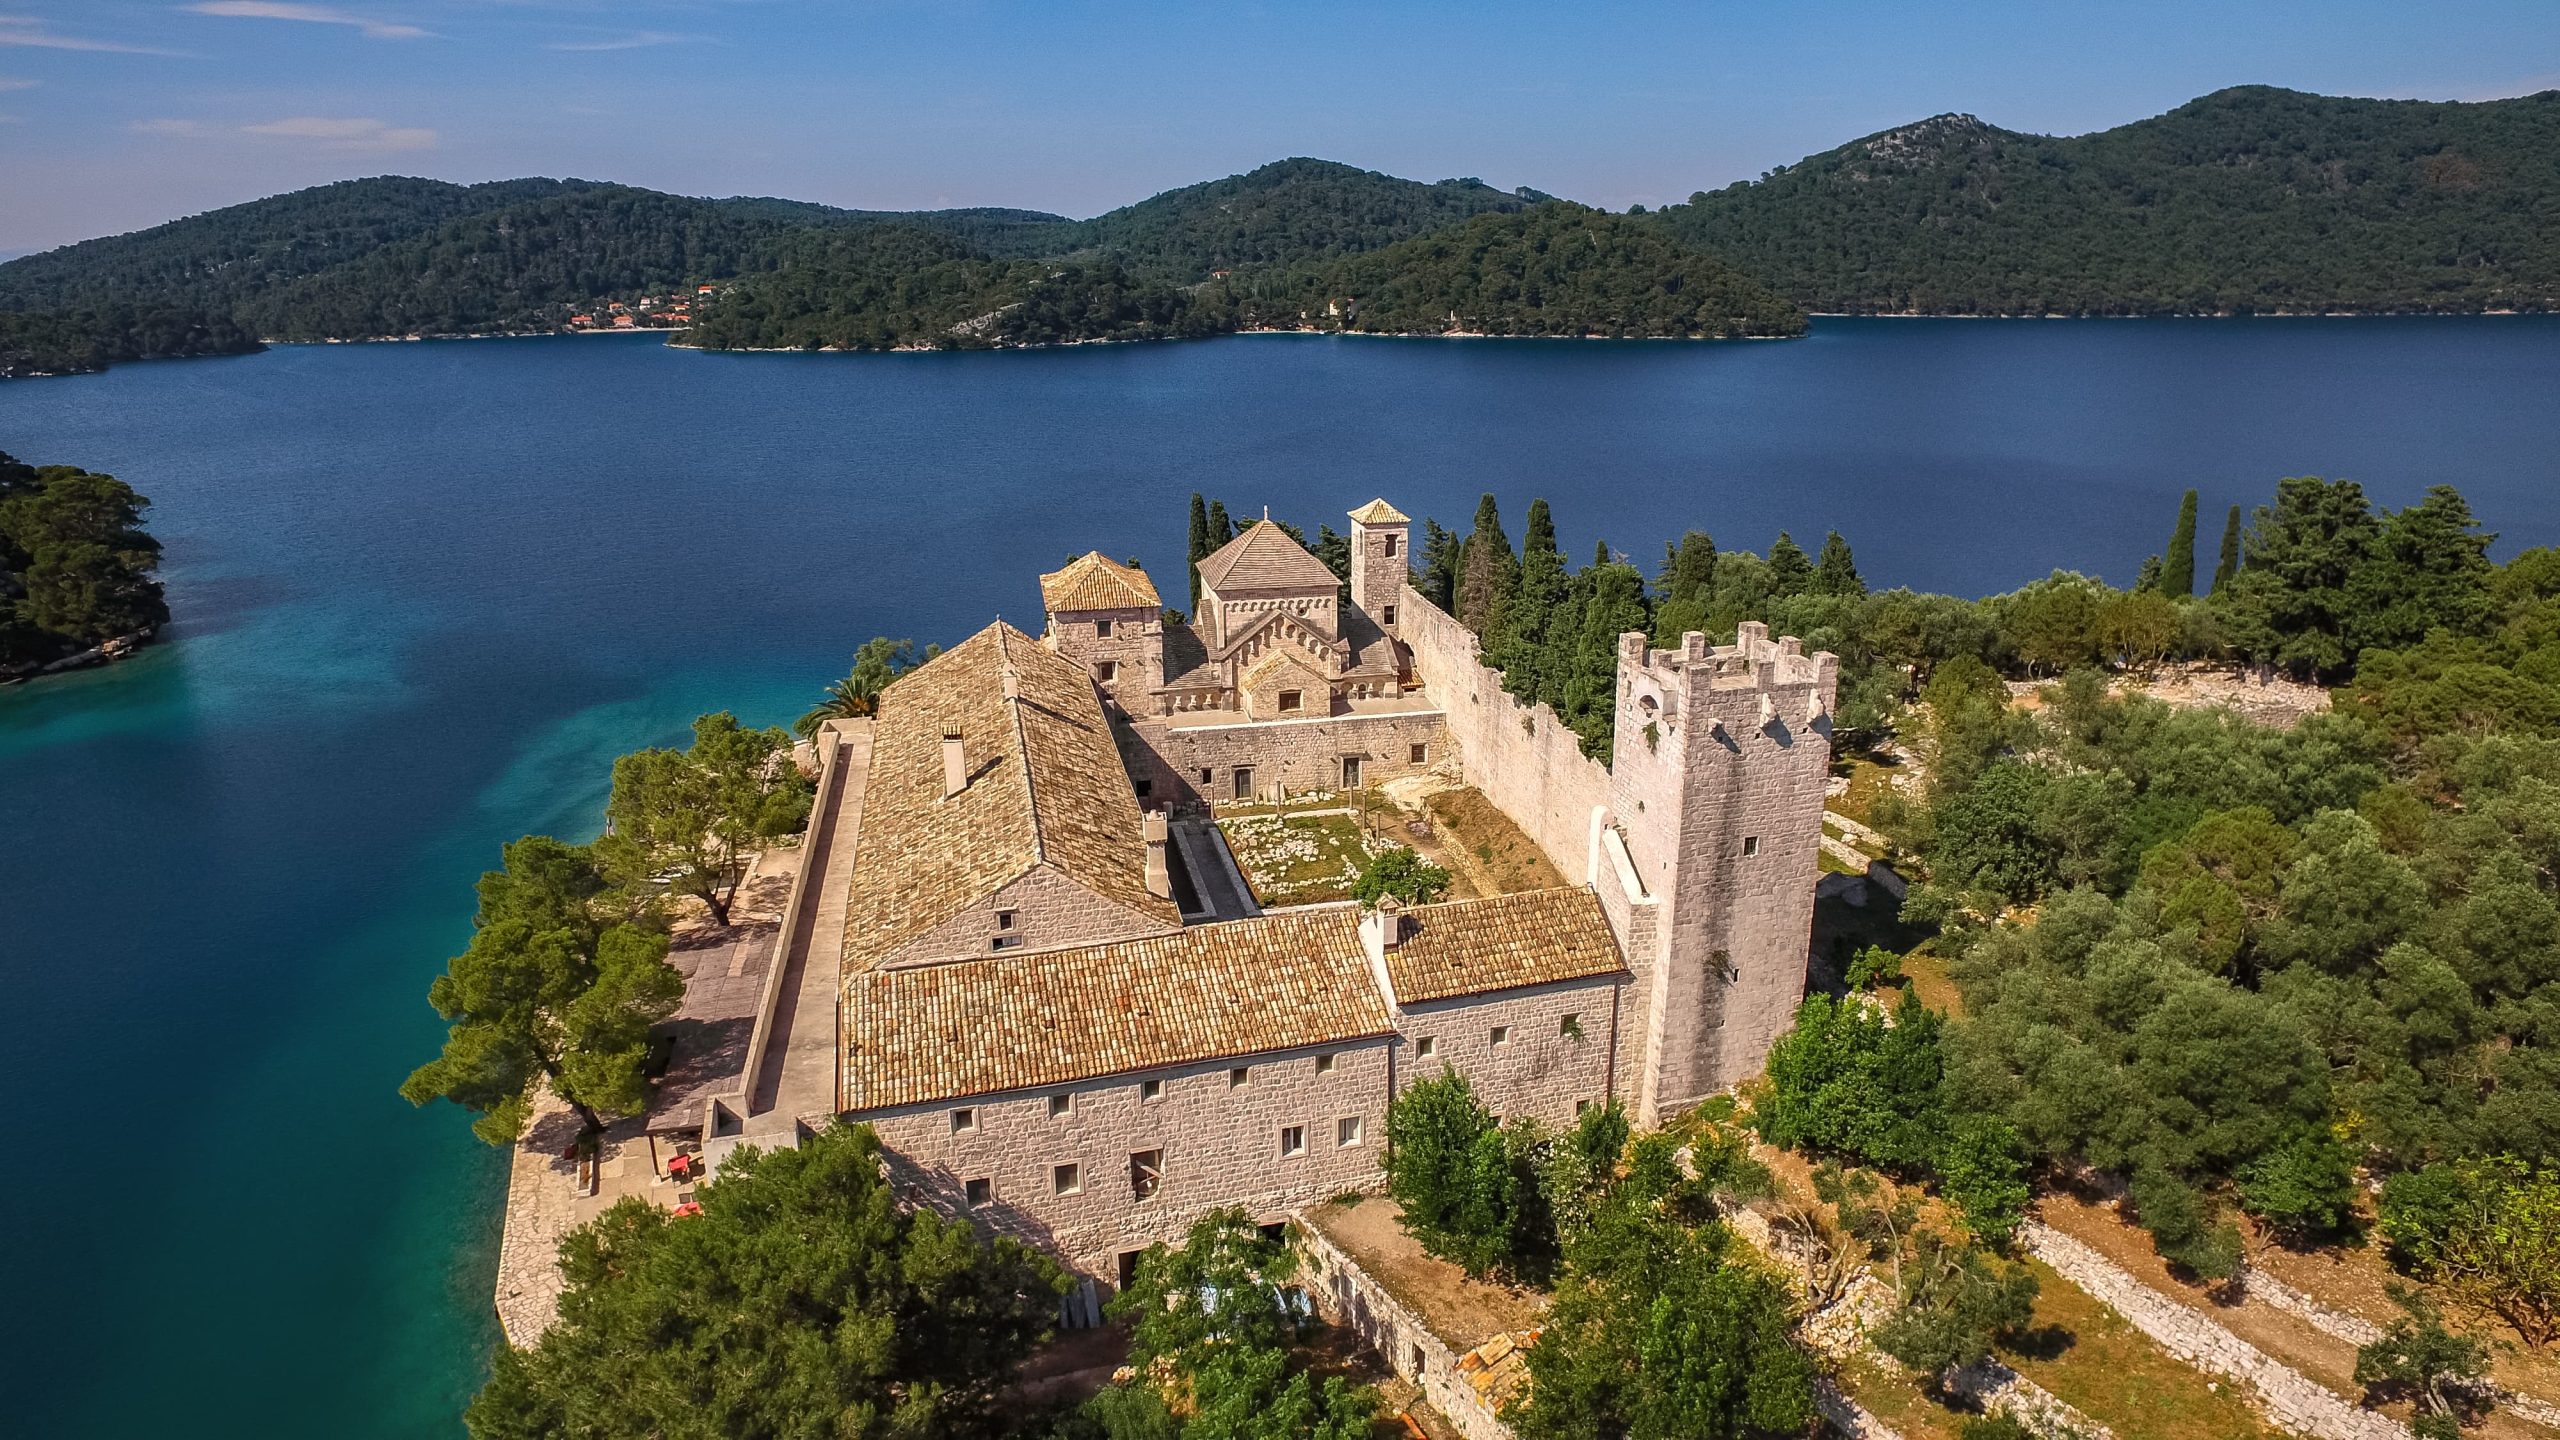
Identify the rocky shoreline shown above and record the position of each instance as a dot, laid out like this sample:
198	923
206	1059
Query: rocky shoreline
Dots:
119	648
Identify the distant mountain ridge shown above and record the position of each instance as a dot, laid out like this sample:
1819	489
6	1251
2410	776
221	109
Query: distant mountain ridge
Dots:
2248	199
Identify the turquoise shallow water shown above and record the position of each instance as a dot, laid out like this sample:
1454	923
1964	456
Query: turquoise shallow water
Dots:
427	592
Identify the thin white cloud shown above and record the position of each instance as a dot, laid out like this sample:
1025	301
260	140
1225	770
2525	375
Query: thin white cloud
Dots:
349	134
168	127
640	40
309	14
35	34
7	84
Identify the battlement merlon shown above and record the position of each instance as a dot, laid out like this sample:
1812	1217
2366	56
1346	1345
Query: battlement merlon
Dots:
1775	678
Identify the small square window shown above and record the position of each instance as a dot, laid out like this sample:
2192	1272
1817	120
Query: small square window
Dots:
1237	1077
1061	1105
1146	787
1570	1026
1387	615
1101	629
1750	844
963	1119
1068	1178
1106	670
1150	1089
1421	755
1501	1034
1324	1064
1292	700
1581	1108
1425	1048
1346	1131
980	1191
1293	1139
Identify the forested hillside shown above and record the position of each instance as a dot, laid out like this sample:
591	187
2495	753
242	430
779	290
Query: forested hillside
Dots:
77	341
2250	199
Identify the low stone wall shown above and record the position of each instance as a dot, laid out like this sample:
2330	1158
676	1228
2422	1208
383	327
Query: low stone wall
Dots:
1350	1297
2289	1398
1292	756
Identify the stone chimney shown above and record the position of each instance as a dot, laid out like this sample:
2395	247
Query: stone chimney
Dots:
955	765
1159	878
1382	929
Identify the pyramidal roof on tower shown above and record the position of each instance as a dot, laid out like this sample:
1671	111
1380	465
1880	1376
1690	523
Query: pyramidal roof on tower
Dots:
1379	512
1264	558
1095	581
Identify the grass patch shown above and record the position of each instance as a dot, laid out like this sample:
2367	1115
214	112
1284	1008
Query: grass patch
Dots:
1298	859
1870	780
1509	859
2093	1358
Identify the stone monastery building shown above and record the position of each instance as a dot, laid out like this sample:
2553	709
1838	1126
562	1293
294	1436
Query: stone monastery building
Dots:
1057	1002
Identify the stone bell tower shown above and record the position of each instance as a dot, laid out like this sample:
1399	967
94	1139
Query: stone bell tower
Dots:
1380	561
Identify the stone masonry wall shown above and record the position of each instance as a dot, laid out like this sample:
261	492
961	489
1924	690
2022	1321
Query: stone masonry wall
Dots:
1050	912
1350	1297
1134	650
1538	1071
1300	755
1221	1144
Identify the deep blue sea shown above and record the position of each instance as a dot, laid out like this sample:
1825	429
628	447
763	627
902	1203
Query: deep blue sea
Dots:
427	592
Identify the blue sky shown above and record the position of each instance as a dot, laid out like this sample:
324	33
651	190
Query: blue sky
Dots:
115	114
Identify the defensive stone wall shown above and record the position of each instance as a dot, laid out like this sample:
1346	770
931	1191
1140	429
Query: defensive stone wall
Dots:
1522	757
1221	1144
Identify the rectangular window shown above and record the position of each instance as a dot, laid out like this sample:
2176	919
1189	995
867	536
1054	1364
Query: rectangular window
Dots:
1425	1048
1106	671
1150	1089
1291	700
1581	1108
980	1191
1350	772
963	1119
1004	919
1068	1178
1346	1131
1005	942
1570	1027
1393	542
1421	754
1244	782
1324	1064
1146	1174
1387	616
1237	1077
1061	1105
1750	844
1293	1139
1207	777
1501	1035
1101	629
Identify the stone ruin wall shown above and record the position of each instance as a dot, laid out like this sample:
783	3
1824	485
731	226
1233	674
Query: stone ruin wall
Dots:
1350	1297
1301	756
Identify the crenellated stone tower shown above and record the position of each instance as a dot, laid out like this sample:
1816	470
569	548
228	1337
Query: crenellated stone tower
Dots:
1716	787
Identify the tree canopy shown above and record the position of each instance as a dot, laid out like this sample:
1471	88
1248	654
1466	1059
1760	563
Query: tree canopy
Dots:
75	563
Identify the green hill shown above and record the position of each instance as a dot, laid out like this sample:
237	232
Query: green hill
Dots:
2250	199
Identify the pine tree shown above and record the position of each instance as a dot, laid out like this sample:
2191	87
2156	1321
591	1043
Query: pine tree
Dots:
1488	575
2178	567
2229	564
1789	570
1200	547
1522	648
1837	574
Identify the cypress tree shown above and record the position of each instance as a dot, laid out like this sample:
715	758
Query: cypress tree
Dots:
1221	529
1837	573
2178	566
1688	580
1199	547
1488	574
2229	564
1439	565
1615	606
1542	584
1789	570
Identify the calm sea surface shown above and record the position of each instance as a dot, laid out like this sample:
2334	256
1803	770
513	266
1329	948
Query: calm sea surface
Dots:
427	592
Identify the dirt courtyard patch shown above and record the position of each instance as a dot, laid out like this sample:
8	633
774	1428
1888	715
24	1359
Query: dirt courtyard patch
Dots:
1463	1312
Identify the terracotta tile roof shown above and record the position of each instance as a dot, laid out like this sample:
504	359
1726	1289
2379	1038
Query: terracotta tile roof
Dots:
1094	581
1379	512
1014	1022
1046	786
1535	937
1264	558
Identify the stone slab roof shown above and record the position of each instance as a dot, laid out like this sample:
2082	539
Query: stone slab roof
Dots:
1264	558
1379	512
1045	786
1095	581
1017	1022
1502	942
